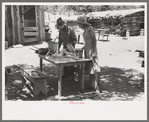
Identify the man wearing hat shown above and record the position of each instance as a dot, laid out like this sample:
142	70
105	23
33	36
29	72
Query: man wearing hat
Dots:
90	52
66	36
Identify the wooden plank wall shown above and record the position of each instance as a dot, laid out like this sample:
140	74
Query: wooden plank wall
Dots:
31	28
15	23
22	25
8	26
37	20
41	21
18	23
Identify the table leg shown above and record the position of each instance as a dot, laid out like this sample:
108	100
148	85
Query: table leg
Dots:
60	81
107	38
78	39
41	64
98	35
82	77
102	37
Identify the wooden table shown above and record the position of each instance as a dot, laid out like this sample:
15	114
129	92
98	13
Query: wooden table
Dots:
102	32
60	63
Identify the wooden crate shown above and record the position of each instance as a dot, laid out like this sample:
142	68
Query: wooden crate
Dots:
36	84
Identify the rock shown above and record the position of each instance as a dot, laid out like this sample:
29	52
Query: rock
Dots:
13	87
18	92
19	99
23	95
17	82
24	89
13	91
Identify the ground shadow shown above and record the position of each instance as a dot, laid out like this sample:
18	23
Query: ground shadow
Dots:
32	43
115	83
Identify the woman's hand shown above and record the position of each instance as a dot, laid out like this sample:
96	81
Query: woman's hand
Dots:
94	55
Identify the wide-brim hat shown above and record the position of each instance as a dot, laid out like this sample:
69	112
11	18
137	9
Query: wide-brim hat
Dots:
83	20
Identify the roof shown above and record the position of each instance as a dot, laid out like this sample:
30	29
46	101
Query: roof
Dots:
114	13
105	14
71	18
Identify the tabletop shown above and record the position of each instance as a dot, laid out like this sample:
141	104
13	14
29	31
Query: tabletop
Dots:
102	29
63	60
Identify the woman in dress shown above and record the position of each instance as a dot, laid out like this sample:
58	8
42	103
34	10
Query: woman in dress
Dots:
90	52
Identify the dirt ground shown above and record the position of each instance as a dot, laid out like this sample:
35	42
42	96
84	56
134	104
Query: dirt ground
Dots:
121	76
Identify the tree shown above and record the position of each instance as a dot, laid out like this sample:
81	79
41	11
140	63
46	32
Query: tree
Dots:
83	9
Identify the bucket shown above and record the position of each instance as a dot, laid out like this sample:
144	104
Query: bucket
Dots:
53	46
141	32
127	33
79	52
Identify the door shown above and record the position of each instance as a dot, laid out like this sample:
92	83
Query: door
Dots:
30	23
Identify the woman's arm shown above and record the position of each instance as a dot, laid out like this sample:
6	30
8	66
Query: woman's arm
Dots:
73	37
94	41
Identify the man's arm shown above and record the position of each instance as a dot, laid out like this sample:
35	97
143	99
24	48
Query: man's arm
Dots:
59	42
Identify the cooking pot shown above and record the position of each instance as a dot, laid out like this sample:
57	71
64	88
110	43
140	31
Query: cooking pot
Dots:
42	51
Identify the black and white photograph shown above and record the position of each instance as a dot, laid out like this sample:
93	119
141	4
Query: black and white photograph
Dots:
76	55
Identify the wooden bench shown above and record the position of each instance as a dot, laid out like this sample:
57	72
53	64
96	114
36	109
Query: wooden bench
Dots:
36	81
112	31
102	33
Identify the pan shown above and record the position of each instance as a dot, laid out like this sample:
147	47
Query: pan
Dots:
41	51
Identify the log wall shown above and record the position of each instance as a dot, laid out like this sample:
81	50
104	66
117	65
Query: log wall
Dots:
18	17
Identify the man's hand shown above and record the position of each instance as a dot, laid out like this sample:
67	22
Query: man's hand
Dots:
94	55
58	51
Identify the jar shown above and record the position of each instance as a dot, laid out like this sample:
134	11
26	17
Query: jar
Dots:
127	33
142	32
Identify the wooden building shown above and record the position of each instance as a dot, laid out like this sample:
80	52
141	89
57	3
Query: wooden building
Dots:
133	23
24	24
132	20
